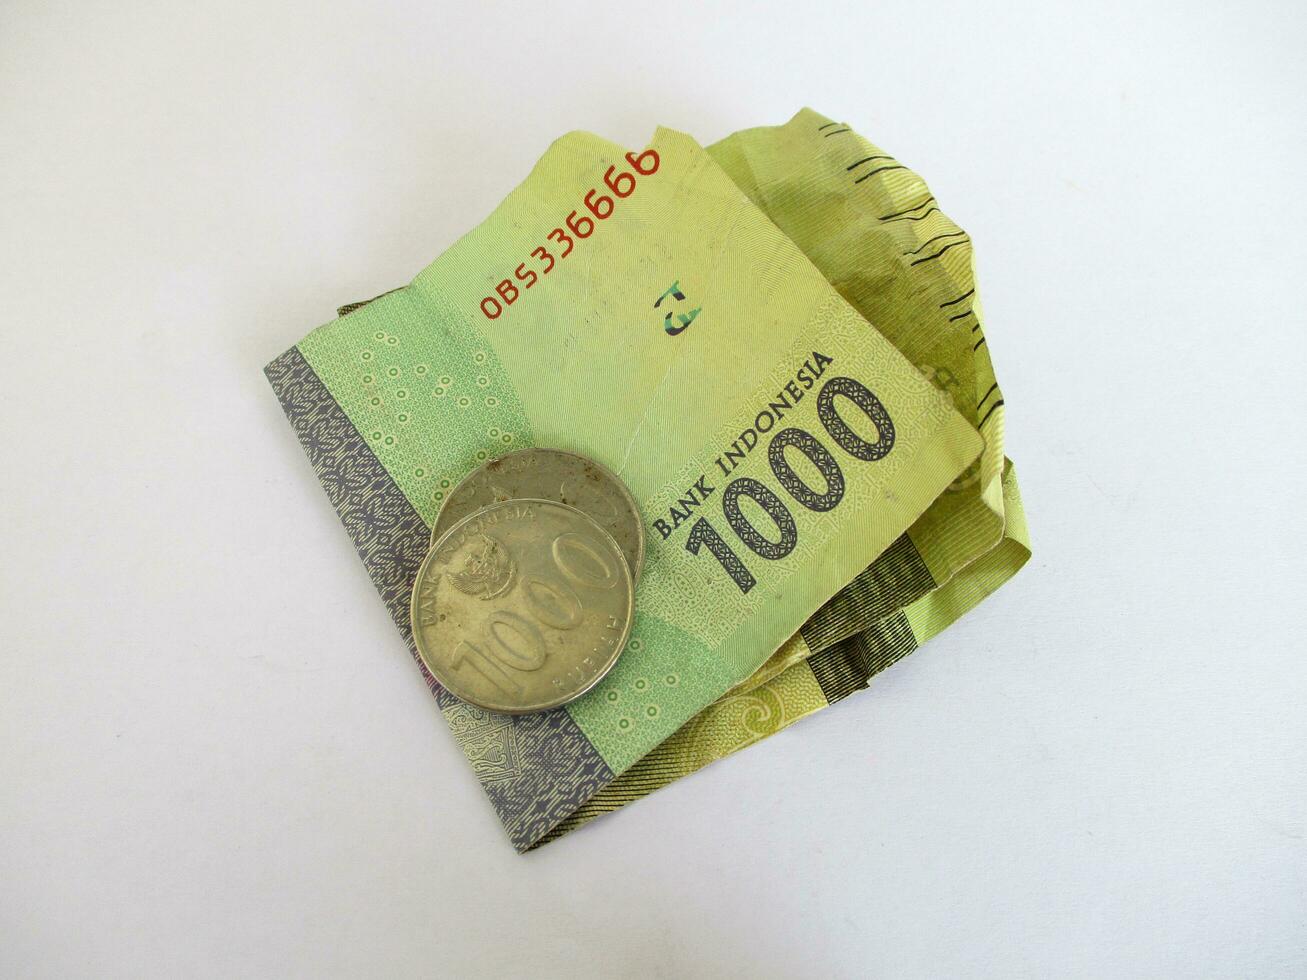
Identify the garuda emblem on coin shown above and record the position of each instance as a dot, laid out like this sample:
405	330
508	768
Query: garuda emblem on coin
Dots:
487	570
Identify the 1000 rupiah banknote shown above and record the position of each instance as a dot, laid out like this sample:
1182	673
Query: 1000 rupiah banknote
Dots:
637	308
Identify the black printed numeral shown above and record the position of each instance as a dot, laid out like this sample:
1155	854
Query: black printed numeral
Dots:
704	533
776	545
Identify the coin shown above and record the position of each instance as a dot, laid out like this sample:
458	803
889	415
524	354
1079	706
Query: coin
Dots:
523	605
551	474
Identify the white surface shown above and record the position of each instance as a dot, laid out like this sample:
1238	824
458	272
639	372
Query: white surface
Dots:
217	758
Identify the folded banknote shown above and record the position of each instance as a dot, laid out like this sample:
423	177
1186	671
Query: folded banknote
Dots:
679	314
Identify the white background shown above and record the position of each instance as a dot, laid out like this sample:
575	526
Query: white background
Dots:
217	757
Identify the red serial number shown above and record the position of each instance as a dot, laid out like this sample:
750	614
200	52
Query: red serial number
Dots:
621	183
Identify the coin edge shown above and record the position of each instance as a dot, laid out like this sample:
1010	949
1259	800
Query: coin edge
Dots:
621	484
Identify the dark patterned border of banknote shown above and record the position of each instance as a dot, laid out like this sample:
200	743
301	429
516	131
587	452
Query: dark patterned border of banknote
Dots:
543	757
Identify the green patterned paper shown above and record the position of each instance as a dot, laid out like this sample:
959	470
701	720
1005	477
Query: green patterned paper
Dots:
638	308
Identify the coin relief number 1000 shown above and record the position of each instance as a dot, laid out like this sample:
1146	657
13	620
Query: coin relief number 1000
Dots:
553	604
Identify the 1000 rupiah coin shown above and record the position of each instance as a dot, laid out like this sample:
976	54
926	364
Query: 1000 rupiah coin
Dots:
551	474
523	605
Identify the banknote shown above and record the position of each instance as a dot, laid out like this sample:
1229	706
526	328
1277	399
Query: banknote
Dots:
637	307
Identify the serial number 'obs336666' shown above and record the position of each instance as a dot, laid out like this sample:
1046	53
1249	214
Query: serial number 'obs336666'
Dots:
601	206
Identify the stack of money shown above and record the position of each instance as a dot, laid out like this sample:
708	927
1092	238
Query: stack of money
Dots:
679	446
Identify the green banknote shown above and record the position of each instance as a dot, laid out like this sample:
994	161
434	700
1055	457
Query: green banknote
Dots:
636	307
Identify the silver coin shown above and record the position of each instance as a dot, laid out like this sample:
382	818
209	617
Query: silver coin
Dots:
522	606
